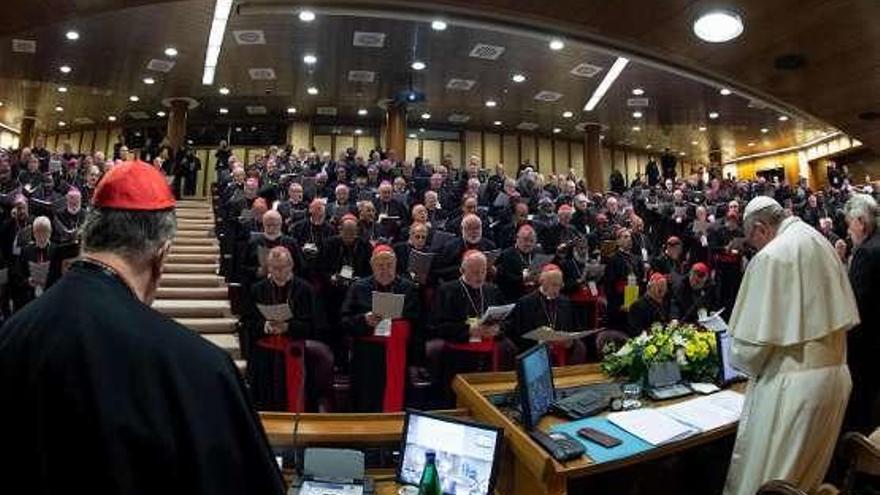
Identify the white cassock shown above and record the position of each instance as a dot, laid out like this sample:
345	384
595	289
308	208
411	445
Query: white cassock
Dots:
789	334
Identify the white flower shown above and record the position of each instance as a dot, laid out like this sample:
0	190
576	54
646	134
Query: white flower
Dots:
679	340
642	339
626	350
681	357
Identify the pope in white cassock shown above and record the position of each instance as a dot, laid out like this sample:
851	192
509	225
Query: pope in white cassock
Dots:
789	334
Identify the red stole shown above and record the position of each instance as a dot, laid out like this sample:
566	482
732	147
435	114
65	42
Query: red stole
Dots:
395	363
294	366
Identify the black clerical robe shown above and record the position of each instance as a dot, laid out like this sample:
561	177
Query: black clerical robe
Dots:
448	261
510	267
533	311
687	301
258	248
457	301
617	270
368	358
644	312
65	228
116	398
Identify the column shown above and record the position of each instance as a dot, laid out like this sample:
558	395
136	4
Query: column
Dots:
28	126
176	132
395	129
592	158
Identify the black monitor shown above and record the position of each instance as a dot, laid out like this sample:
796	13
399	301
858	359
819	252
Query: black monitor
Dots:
467	452
535	381
726	372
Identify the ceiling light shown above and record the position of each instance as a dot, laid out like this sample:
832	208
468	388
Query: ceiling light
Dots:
637	115
222	9
291	110
713	115
412	136
638	91
568	114
682	153
362	112
418	65
694	143
65	69
556	130
59	109
426	116
171	51
783	118
133	98
312	90
421	129
149	80
224	90
160	113
557	45
702	128
497	122
718	26
636	128
307	16
62	123
111	118
518	78
62	89
224	110
310	59
72	35
724	91
751	144
606	83
358	131
438	26
764	130
648	146
491	103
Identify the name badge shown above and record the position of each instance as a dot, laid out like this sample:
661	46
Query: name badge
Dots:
677	219
310	246
525	273
346	272
703	241
471	322
593	289
644	254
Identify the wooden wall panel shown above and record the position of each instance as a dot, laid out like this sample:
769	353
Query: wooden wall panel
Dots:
491	150
101	140
510	148
343	142
323	143
300	134
453	150
88	142
431	150
73	139
473	145
412	149
560	158
241	154
544	157
577	158
529	149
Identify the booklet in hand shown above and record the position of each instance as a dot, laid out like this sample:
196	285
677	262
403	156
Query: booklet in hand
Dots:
547	334
496	314
420	265
275	312
388	305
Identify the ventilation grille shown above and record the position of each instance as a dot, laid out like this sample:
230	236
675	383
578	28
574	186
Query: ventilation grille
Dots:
83	120
486	52
255	110
548	96
638	102
364	76
586	70
24	46
460	84
459	118
369	40
138	115
160	65
326	111
527	126
250	37
262	73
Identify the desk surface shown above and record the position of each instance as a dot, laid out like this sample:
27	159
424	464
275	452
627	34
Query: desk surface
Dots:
472	389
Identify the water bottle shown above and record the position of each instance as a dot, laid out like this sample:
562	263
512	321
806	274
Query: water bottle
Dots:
430	482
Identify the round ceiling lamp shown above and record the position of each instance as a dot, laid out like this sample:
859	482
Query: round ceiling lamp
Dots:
718	26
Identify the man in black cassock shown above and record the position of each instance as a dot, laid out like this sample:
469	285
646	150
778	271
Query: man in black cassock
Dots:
693	293
514	274
651	308
621	268
448	260
311	233
114	397
359	320
259	244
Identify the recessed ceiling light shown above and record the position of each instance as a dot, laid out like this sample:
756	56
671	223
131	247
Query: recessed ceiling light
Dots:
636	128
497	122
518	78
702	128
310	59
224	110
568	114
724	91
358	131
751	144
160	113
362	112
171	51
638	91
291	110
133	98
438	25
59	109
312	90
421	129
65	69
637	115
426	116
783	118
111	118
62	89
648	146
556	130
718	26
764	130
412	136
682	153
62	123
418	65
306	16
224	90
556	45
491	103
601	137
694	143
713	115
72	35
149	80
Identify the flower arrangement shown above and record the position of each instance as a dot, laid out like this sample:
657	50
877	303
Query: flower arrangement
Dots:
691	346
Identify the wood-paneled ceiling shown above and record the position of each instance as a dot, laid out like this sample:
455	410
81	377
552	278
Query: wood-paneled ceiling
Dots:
838	39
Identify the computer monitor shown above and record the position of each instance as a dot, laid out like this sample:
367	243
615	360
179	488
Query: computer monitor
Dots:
535	381
726	372
466	452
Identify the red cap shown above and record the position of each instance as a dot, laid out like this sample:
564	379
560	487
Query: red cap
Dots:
701	268
133	185
550	267
382	248
348	217
656	277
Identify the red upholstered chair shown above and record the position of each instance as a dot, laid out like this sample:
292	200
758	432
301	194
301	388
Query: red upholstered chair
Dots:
583	298
395	363
487	347
294	366
558	354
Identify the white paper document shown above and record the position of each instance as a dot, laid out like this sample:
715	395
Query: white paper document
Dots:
496	314
651	425
388	305
547	334
275	312
714	322
708	412
39	272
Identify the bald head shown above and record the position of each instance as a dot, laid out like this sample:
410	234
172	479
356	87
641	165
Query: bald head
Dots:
473	268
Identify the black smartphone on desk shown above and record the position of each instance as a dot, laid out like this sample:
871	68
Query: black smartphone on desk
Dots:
560	446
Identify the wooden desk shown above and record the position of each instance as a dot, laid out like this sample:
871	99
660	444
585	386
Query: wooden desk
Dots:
526	468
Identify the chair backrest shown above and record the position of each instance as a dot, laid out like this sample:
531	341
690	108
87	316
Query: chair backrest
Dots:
606	337
862	457
779	487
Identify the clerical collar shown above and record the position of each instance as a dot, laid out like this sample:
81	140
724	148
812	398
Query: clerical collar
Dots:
96	266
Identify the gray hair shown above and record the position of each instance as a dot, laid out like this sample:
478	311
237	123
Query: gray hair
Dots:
770	215
42	222
863	207
135	236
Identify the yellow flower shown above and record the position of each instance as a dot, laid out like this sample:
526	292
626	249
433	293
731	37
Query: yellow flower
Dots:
650	351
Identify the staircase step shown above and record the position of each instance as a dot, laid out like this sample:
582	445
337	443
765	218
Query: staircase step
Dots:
190	280
195	258
191	268
184	224
195	249
202	240
190	308
228	343
196	215
192	293
209	325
